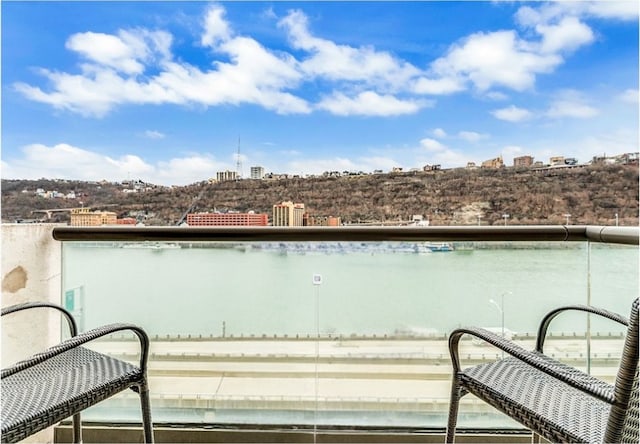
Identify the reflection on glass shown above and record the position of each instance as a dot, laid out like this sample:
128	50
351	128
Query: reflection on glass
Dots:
335	333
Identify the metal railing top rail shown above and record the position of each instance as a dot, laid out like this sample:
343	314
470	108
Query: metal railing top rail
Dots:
614	235
534	233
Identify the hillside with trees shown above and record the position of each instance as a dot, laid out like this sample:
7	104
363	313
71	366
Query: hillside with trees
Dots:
591	194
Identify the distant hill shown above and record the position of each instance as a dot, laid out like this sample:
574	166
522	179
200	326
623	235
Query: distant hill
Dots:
590	194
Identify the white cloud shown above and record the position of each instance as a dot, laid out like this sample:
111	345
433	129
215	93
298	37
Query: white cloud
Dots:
274	70
592	144
432	145
615	142
370	164
186	170
269	13
441	154
511	151
568	35
512	114
496	95
571	109
319	166
369	103
571	104
555	11
345	63
438	86
567	103
137	66
629	96
254	74
107	50
92	95
621	10
439	133
64	161
127	52
151	134
504	58
289	152
472	136
529	16
216	28
496	59
450	159
129	163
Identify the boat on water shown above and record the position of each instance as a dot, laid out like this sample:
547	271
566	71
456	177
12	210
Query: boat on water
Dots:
156	246
354	247
429	247
442	247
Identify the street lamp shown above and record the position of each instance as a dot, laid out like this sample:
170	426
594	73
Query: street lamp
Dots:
505	217
500	309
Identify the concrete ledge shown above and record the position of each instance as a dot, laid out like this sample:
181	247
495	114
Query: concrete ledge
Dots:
248	434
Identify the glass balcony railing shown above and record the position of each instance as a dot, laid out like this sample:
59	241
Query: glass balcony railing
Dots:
338	326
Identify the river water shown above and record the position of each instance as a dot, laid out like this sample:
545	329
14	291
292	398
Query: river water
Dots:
362	289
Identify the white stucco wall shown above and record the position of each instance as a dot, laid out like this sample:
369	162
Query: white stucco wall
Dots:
31	268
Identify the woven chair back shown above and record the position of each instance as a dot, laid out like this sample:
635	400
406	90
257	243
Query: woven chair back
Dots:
623	419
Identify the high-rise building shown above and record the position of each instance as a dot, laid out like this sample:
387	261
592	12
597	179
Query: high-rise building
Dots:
226	175
288	214
227	219
257	172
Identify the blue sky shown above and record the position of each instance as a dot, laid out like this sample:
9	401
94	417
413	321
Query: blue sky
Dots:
166	92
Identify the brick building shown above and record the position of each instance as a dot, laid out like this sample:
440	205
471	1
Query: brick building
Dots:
84	217
523	161
227	219
322	221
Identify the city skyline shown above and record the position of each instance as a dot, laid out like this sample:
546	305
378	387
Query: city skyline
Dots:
171	92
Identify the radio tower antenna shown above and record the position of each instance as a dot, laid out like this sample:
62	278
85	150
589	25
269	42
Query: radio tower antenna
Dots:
238	162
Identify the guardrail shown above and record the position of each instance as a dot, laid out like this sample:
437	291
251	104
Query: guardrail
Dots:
566	233
533	233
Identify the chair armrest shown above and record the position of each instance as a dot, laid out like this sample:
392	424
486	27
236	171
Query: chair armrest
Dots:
557	370
73	328
546	321
80	339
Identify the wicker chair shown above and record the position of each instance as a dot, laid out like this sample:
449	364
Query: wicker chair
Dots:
67	378
554	400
